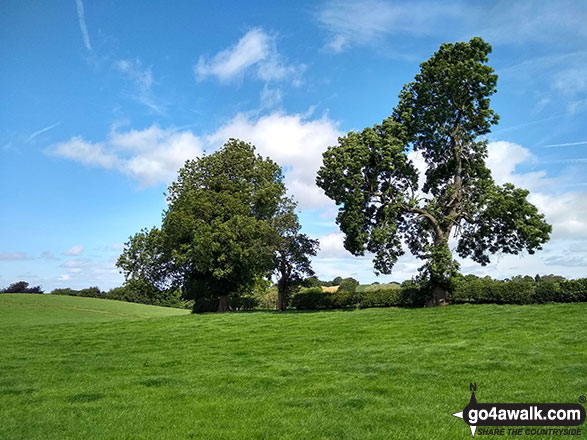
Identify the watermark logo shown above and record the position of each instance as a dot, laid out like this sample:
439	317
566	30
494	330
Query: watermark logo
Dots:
500	415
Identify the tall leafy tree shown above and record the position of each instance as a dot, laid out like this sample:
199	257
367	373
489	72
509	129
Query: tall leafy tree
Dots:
443	115
292	252
216	235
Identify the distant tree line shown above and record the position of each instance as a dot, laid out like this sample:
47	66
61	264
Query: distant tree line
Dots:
21	287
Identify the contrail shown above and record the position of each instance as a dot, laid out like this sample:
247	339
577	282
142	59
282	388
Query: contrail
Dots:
42	130
82	24
570	144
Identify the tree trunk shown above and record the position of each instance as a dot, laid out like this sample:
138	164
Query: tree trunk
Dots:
438	297
222	303
281	294
280	299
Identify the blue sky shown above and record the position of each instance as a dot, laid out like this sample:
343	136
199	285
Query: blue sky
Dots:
104	101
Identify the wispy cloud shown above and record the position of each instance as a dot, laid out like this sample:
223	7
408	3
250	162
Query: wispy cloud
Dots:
48	255
528	21
142	76
82	24
270	97
74	251
351	23
569	144
142	79
41	131
14	256
255	50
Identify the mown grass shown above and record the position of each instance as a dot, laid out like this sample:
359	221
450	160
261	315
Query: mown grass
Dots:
367	374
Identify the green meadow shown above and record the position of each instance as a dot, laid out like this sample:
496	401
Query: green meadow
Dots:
83	368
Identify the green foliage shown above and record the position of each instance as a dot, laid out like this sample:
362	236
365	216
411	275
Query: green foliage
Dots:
410	294
64	291
342	299
267	298
471	289
312	282
336	281
505	222
441	115
21	287
377	286
243	303
139	291
216	236
381	298
311	298
292	252
348	285
90	292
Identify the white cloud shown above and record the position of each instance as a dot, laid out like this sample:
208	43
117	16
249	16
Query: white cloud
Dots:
295	143
503	158
63	277
332	246
74	250
150	156
154	155
255	49
82	24
232	62
86	153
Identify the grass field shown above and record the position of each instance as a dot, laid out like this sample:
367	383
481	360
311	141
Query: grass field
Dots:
27	310
367	374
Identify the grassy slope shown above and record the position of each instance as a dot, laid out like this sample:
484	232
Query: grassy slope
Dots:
368	374
30	309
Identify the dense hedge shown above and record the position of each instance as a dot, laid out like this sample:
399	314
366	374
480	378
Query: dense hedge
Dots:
468	289
486	290
409	295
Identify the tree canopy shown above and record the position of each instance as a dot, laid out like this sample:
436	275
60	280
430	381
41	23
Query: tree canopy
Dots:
227	222
442	115
292	252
